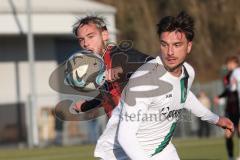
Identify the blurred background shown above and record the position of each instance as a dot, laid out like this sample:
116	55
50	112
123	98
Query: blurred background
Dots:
36	36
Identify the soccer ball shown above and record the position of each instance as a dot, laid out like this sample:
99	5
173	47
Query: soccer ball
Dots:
85	71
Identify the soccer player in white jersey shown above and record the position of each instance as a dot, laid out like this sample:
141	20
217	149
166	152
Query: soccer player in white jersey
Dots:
235	85
142	125
235	77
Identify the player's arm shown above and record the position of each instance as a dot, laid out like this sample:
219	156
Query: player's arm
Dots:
196	107
221	97
128	127
126	62
133	108
224	93
84	105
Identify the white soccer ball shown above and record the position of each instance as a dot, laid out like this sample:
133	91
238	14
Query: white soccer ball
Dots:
85	71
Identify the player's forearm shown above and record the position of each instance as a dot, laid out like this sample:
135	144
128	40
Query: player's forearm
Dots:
128	128
88	105
130	144
223	94
196	107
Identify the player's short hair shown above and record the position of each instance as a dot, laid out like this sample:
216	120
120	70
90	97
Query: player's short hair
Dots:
98	21
181	23
232	59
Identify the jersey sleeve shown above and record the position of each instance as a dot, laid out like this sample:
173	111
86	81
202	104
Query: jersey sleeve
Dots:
93	103
133	109
128	128
195	106
235	79
88	105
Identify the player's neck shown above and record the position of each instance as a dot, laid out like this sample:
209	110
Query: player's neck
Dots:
107	48
176	72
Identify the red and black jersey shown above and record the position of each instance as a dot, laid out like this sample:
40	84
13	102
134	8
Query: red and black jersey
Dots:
129	61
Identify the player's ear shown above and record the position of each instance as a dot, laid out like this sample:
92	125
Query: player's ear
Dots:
189	47
105	35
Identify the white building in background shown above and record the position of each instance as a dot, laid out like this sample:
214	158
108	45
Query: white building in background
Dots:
52	22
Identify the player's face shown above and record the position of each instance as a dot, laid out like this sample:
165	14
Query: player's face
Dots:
92	38
174	47
231	65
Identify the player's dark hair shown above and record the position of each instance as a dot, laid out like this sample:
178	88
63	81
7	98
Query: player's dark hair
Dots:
98	21
181	23
232	59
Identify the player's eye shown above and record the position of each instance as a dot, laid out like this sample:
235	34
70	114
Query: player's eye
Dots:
80	40
91	36
177	44
163	44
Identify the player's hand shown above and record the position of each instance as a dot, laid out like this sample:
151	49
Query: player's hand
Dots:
113	74
77	105
226	124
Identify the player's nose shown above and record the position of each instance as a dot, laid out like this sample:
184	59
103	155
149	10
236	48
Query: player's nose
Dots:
170	50
86	44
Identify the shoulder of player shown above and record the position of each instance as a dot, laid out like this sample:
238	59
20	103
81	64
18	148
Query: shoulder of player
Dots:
145	69
132	54
189	69
236	72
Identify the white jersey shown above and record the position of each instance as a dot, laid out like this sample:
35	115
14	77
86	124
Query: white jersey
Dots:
235	80
142	125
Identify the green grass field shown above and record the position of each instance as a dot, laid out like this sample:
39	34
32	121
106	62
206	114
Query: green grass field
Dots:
189	149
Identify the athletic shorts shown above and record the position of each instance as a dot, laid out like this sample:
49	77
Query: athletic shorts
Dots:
168	153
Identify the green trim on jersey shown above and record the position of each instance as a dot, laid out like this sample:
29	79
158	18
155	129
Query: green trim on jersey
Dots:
183	90
184	85
166	140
